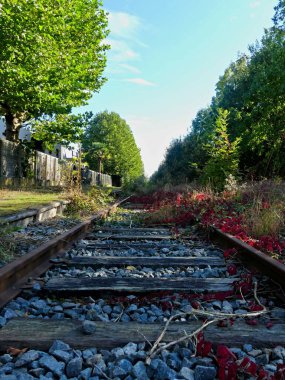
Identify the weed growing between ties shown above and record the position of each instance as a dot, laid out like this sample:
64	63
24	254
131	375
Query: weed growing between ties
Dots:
253	213
7	246
83	204
124	218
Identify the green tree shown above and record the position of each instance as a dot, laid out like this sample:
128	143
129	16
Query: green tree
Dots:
52	57
250	139
61	129
108	141
223	154
279	16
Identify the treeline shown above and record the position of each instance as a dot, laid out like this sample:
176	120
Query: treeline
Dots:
110	147
242	132
106	140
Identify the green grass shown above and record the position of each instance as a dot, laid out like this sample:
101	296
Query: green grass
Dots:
12	201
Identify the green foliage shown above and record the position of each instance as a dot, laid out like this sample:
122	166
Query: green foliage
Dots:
109	145
279	16
52	57
137	186
223	154
82	205
252	92
59	129
7	245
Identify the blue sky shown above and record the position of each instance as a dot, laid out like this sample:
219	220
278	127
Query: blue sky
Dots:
165	59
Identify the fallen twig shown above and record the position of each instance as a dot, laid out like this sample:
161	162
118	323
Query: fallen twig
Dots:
196	312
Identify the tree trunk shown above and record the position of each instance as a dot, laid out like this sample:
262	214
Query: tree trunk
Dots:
13	126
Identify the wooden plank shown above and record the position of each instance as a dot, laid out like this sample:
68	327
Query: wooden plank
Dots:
126	245
154	262
39	334
134	229
133	237
112	285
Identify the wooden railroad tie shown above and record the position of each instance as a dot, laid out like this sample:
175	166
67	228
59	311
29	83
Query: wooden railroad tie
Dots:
40	333
110	285
153	262
115	236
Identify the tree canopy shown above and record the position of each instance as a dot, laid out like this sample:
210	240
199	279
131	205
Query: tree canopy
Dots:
250	96
110	145
52	57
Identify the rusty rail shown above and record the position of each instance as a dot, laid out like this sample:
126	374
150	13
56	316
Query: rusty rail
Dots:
15	275
260	260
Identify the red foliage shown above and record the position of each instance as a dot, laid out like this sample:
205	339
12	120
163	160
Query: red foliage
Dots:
228	253
227	363
232	269
196	305
203	347
222	213
280	374
247	366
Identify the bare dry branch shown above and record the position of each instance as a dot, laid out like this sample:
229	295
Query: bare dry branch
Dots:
196	312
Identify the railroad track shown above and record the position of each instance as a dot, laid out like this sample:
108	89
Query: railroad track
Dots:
137	303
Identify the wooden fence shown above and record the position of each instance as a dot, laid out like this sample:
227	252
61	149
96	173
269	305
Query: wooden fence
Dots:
17	167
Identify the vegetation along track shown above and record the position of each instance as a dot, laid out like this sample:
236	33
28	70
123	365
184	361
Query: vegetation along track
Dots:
127	302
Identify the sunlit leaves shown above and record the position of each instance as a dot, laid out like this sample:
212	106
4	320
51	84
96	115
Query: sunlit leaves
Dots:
52	55
109	140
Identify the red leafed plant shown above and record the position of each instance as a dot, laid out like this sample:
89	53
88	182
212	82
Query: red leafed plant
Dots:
280	373
232	269
229	253
228	214
203	347
248	366
226	361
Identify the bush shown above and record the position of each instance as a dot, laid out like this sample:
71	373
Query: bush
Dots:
82	205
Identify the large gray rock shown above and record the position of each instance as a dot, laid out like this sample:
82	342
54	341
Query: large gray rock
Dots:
86	374
163	372
118	372
51	364
27	357
139	371
6	358
130	348
126	365
205	373
186	373
59	345
99	368
62	355
37	372
88	327
74	367
25	376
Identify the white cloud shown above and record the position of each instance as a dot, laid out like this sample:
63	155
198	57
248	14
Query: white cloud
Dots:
125	43
123	24
121	51
130	68
255	4
140	81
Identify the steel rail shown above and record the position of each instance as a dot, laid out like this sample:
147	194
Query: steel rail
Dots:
274	269
16	274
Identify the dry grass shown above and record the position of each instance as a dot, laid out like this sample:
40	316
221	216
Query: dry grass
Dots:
266	209
267	220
